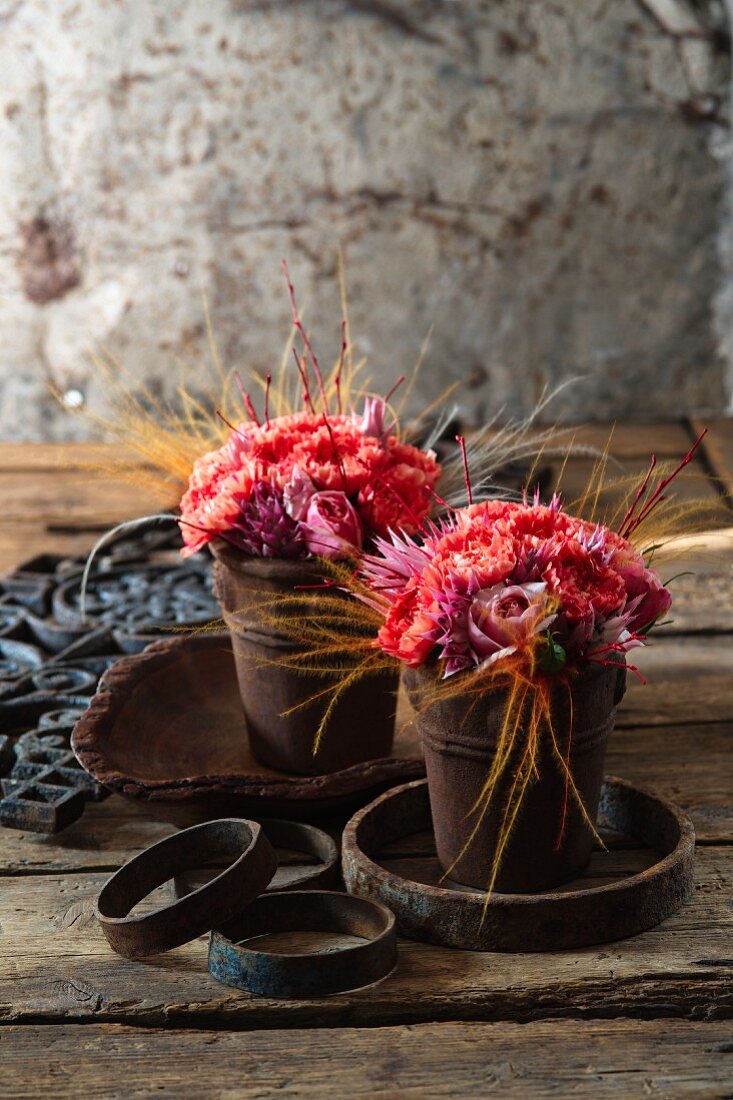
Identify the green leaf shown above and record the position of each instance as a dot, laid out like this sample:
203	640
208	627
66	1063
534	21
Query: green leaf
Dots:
553	657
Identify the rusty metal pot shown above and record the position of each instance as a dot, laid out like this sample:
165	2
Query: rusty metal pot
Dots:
361	724
459	737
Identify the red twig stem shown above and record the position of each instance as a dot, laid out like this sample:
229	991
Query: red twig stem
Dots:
443	503
616	647
304	336
614	664
637	496
303	372
632	519
246	400
394	389
316	370
268	383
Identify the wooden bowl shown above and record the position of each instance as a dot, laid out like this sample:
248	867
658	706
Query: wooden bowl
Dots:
166	729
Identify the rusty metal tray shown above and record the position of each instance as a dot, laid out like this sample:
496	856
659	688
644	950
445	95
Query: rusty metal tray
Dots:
166	729
644	876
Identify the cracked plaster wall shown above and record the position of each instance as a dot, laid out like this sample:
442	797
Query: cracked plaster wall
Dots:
543	183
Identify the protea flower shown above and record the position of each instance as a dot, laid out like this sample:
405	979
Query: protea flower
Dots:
395	561
264	529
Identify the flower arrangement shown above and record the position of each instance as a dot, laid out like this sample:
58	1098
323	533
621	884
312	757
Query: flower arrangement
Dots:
525	584
280	497
510	618
500	580
311	484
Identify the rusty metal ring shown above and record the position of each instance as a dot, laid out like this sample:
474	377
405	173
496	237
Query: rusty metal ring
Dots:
295	836
218	900
560	920
271	974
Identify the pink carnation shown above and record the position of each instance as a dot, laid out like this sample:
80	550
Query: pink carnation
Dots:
406	631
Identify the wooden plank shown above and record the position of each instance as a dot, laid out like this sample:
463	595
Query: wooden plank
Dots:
688	681
107	835
690	764
635	440
629	440
605	1060
718	445
60	456
110	833
56	965
702	565
682	771
573	477
74	497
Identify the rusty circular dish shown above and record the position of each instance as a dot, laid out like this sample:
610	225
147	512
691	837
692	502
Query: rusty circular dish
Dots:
294	836
166	728
272	974
201	910
431	908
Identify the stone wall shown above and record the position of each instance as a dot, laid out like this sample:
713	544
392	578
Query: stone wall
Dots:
537	181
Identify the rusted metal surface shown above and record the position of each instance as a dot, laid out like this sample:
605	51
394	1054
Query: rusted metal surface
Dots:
47	759
51	659
217	901
456	917
294	836
166	728
47	788
139	601
551	842
271	974
361	723
38	806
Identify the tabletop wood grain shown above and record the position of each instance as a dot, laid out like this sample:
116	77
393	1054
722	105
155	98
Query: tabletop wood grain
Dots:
648	1016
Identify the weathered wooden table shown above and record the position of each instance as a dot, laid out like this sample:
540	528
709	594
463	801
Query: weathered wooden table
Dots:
649	1016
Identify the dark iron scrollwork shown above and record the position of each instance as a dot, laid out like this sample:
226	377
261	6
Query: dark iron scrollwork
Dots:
53	651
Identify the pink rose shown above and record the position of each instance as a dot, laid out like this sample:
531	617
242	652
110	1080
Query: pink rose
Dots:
332	526
654	599
504	617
